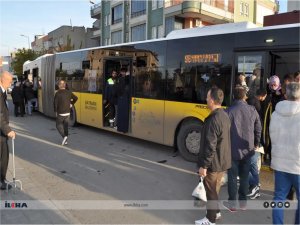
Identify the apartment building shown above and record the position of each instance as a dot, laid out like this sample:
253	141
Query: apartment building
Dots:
118	21
64	38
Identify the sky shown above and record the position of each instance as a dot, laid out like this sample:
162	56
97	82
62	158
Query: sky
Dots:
35	17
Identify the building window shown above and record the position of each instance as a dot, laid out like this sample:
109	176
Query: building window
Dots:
160	31
117	14
178	25
138	33
173	23
154	4
116	37
160	3
169	24
106	41
138	8
154	32
244	9
106	20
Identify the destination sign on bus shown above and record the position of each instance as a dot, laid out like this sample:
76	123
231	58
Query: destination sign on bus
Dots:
202	58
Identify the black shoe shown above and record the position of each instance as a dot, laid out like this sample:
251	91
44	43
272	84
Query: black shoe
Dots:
5	185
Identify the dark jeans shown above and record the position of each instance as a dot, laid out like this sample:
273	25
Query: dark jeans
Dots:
62	123
239	168
112	111
19	108
283	183
254	173
4	157
212	184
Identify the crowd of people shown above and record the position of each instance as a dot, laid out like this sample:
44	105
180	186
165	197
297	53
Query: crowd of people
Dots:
232	140
24	98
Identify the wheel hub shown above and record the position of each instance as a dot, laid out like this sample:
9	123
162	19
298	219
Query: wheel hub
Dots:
192	142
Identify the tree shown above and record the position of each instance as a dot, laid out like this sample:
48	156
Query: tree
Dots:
22	55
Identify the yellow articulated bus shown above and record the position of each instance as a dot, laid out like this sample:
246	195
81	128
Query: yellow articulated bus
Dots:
168	78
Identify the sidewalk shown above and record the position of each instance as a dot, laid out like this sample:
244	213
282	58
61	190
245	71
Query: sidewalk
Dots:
31	191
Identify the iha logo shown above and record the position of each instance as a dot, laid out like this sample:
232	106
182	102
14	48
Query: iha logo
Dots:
13	205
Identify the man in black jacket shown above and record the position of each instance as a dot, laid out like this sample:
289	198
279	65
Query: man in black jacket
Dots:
215	153
6	132
63	101
17	95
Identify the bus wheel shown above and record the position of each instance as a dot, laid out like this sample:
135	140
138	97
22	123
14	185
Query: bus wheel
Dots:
188	140
73	118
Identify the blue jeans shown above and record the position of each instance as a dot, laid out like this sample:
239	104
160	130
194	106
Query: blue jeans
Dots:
283	183
238	168
254	173
29	105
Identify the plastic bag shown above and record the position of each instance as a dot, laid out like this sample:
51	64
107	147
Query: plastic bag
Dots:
199	191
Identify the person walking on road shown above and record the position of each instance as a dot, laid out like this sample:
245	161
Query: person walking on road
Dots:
6	132
245	133
284	133
64	100
215	153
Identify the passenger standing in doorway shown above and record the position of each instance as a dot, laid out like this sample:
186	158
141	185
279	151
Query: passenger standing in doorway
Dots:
123	100
245	133
30	97
215	153
6	132
284	133
111	97
274	96
64	100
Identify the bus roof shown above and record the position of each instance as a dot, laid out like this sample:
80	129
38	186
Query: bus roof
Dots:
223	29
197	32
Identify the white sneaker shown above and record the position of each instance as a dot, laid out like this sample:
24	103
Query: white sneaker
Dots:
204	221
64	140
218	216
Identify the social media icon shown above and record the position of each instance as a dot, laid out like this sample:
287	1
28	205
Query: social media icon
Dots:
280	204
266	204
287	204
273	205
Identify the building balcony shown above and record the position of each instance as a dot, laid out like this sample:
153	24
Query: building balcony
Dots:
97	24
96	34
96	11
200	10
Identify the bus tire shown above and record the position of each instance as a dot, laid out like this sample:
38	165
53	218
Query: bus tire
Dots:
73	117
188	140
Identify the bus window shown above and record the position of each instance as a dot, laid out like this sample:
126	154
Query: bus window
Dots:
191	83
250	66
148	83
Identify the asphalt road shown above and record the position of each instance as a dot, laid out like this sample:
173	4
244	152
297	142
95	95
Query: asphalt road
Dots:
105	178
